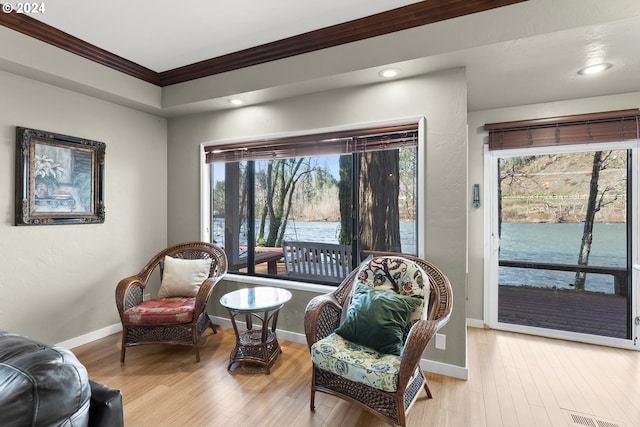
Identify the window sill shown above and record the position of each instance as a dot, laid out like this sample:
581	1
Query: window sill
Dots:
285	284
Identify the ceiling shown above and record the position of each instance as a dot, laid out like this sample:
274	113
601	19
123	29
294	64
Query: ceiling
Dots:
166	34
537	62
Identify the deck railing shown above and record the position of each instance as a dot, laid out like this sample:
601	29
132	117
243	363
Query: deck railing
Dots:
619	274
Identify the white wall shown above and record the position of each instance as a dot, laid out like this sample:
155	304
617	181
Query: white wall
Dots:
478	137
58	282
440	97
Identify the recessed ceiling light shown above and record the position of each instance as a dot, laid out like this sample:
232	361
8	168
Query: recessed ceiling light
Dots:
235	101
595	69
389	73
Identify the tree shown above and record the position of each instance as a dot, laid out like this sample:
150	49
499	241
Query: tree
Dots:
280	184
345	188
379	190
509	173
594	204
218	199
408	168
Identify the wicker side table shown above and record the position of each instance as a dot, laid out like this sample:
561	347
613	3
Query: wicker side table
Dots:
257	344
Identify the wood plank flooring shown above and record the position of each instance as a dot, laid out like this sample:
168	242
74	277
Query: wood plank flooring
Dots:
514	380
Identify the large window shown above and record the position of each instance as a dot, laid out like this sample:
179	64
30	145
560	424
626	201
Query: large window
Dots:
295	207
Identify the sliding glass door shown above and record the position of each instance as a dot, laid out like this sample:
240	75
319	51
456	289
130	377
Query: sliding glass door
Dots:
560	241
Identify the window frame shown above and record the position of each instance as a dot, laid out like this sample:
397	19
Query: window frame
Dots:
205	191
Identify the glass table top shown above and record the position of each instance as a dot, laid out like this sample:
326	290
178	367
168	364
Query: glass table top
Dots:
258	298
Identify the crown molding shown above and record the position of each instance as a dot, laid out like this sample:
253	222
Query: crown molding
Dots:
403	18
51	35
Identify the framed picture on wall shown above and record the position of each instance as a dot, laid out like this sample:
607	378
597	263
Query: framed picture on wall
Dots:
59	179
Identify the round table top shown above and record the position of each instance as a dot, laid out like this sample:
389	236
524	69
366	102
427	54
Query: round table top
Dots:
258	298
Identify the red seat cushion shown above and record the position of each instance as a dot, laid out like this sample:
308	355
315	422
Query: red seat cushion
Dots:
161	310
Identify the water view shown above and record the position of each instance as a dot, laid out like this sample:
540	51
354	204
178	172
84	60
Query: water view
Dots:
319	231
559	243
538	242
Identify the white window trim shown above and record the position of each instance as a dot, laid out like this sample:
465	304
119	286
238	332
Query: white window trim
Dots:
205	189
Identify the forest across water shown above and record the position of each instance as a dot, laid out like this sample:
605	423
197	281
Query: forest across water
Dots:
555	188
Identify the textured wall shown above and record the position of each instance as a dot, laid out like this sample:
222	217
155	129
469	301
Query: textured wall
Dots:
57	282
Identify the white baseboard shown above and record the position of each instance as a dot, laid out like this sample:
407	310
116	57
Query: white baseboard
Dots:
475	323
453	371
428	365
91	336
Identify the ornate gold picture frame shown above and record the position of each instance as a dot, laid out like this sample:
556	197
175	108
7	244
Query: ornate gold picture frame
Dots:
59	179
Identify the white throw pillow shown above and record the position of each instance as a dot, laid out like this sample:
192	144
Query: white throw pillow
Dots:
183	277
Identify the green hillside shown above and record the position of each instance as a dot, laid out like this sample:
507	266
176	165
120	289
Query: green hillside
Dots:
555	188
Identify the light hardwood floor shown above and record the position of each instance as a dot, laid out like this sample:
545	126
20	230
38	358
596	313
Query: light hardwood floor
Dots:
514	381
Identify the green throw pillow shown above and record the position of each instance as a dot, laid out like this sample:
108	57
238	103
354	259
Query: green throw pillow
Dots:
377	319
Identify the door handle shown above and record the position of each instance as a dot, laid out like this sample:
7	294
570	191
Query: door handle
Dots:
636	267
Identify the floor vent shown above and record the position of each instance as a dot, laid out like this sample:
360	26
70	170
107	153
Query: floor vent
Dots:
577	419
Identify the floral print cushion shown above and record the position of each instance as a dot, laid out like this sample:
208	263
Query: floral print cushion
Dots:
161	310
398	275
356	362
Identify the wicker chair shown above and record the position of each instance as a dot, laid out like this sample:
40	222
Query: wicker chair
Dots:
324	314
178	320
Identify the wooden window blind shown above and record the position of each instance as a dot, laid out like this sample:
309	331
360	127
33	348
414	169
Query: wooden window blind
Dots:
332	143
607	126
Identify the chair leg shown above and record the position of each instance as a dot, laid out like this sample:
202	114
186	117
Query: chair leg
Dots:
211	324
123	345
312	402
426	388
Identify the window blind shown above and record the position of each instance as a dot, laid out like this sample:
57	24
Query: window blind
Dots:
324	144
607	126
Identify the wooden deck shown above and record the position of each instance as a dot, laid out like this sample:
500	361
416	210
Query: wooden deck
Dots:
567	310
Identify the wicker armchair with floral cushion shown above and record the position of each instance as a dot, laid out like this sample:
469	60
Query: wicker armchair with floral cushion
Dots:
367	337
178	314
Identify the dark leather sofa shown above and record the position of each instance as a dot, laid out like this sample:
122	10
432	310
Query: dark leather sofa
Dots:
43	385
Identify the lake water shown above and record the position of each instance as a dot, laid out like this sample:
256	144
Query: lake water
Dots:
560	244
541	242
329	232
322	232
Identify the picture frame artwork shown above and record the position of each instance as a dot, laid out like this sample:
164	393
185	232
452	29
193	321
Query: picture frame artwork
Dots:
59	179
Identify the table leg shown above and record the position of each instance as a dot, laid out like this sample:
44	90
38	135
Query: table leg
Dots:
272	267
